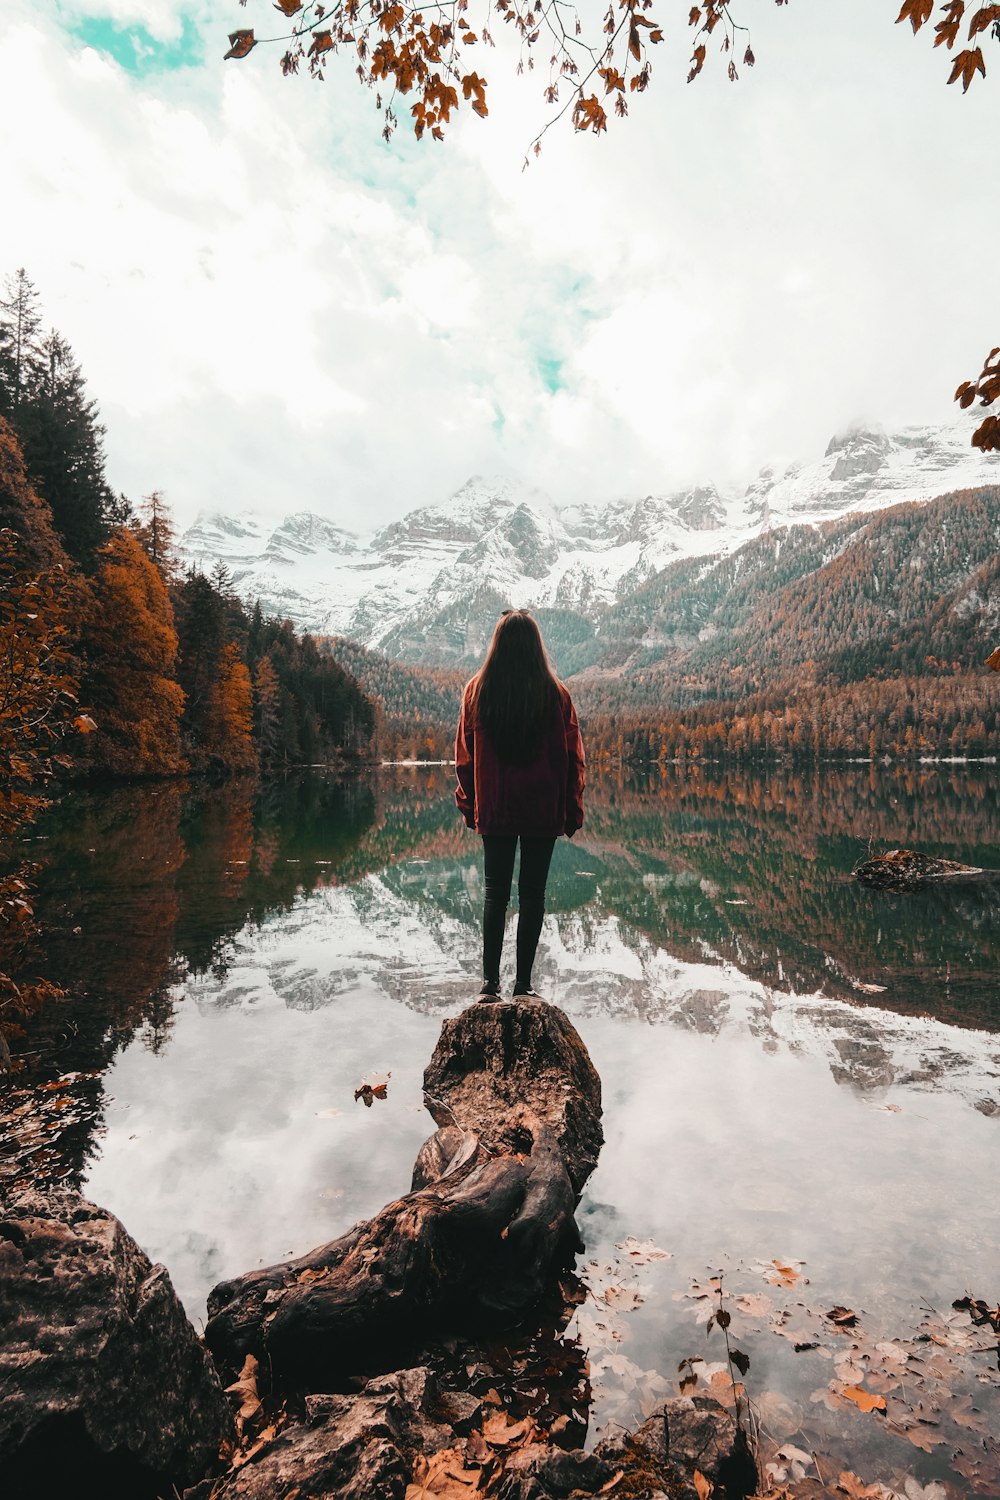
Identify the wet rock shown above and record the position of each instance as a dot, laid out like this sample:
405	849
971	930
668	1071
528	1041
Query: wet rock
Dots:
685	1434
102	1378
908	870
349	1448
493	1060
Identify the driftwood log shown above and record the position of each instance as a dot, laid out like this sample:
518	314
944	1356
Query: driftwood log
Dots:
486	1226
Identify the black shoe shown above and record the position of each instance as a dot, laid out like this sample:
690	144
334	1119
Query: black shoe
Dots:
525	992
490	990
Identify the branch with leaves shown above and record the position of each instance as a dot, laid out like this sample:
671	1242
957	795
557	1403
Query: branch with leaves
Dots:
402	50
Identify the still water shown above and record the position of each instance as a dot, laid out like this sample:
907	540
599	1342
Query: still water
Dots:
801	1077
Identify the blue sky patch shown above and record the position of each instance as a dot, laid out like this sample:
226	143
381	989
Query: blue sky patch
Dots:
135	50
550	369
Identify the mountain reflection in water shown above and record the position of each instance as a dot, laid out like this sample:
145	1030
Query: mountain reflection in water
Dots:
793	1066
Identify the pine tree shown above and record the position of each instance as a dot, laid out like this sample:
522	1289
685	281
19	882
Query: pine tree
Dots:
155	530
63	443
267	710
20	348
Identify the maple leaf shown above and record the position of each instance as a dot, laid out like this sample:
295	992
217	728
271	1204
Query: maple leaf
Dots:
241	43
987	15
245	1386
442	1476
966	65
641	1252
864	1400
843	1317
916	12
288	7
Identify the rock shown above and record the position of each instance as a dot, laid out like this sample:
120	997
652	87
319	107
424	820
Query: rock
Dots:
349	1448
493	1060
102	1378
484	1231
908	870
685	1434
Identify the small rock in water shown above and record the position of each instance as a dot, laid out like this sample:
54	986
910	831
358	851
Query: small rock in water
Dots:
908	870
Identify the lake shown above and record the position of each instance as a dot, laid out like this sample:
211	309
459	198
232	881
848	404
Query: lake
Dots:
801	1076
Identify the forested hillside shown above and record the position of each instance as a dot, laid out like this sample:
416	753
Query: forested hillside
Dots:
862	636
418	706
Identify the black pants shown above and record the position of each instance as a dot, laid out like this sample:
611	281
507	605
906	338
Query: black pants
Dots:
498	859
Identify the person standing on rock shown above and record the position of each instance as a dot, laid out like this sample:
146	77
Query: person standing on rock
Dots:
520	763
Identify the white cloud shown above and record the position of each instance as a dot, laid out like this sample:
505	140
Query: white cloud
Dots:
276	310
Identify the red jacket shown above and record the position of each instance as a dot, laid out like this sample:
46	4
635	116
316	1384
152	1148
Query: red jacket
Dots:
543	799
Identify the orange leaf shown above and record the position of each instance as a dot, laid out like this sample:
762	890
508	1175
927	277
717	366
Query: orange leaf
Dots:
985	16
916	12
966	65
863	1399
240	43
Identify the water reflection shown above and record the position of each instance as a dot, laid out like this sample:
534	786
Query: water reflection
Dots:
237	960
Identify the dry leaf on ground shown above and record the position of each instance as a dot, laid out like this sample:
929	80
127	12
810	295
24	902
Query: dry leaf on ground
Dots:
246	1388
442	1476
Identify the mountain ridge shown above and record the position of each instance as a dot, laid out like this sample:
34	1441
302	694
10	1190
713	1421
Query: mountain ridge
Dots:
426	589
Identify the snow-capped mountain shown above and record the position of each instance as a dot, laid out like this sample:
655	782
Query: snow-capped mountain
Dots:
428	587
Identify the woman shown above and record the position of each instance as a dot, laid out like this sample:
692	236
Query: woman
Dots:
520	764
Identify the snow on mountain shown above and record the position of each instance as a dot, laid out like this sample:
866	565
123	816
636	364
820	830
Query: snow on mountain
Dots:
429	585
867	469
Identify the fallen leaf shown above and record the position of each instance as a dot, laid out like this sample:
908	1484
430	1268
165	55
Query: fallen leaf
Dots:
640	1253
842	1316
866	1400
782	1275
850	1484
704	1486
246	1388
442	1476
500	1433
623	1298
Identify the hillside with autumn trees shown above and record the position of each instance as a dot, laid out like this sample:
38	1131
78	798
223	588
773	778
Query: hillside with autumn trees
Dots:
114	663
862	636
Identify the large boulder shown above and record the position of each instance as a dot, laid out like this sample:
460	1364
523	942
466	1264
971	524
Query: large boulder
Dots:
494	1059
103	1382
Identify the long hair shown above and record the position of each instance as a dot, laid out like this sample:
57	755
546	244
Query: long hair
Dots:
515	689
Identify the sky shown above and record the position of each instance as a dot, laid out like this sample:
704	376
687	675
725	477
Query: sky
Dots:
278	311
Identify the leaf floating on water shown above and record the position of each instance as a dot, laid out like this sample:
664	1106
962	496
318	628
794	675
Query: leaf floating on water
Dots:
849	1484
864	1400
842	1316
640	1253
623	1298
779	1274
375	1087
